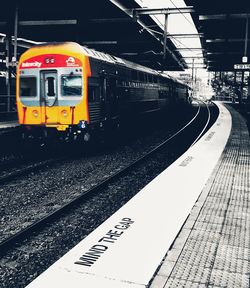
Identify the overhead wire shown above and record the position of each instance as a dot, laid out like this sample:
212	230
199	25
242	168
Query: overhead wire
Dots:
183	15
175	38
157	20
191	23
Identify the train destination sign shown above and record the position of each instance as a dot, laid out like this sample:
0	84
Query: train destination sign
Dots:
242	66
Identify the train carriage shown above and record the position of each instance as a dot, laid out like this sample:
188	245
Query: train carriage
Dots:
75	90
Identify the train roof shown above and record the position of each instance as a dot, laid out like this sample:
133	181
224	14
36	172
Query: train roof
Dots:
177	80
92	53
114	59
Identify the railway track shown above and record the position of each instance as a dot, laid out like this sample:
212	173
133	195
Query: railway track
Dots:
206	123
9	242
33	167
26	163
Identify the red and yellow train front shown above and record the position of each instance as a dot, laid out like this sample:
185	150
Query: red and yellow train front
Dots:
52	86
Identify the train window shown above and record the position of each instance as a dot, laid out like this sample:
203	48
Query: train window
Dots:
50	86
154	79
71	85
141	76
28	86
163	94
134	75
150	78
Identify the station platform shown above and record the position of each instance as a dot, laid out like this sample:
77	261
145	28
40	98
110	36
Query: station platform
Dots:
213	247
8	124
189	227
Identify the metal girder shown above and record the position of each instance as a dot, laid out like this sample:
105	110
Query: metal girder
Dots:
196	64
198	35
141	53
193	57
21	42
115	42
221	40
222	53
200	67
111	20
159	11
131	14
112	42
199	61
187	48
224	16
223	26
48	22
27	20
129	54
25	43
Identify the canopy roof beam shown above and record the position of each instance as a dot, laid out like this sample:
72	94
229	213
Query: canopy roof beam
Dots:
132	13
47	22
223	16
222	40
159	11
198	35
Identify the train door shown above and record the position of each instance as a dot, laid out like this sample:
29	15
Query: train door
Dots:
173	94
112	97
109	97
49	95
103	93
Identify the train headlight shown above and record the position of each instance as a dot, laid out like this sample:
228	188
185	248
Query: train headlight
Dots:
35	113
64	113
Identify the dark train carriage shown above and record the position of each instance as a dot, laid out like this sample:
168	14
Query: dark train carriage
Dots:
74	88
124	89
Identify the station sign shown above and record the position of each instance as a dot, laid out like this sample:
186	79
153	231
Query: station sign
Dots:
242	66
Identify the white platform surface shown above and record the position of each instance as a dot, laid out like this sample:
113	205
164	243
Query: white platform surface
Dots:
9	124
158	212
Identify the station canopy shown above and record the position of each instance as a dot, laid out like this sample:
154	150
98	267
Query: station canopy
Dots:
116	27
224	25
212	36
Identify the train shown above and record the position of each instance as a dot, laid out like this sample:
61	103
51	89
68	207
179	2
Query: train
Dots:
71	90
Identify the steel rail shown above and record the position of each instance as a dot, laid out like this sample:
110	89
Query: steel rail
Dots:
30	168
206	125
39	224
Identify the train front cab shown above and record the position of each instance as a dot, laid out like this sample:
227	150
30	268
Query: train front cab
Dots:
52	88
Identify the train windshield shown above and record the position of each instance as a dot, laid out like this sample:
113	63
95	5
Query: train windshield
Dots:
71	85
28	86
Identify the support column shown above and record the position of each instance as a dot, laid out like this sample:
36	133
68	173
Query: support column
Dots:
14	59
165	37
241	87
9	68
11	56
246	37
248	95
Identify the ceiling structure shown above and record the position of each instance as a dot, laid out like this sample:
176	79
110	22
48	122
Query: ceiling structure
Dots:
106	25
109	26
224	25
